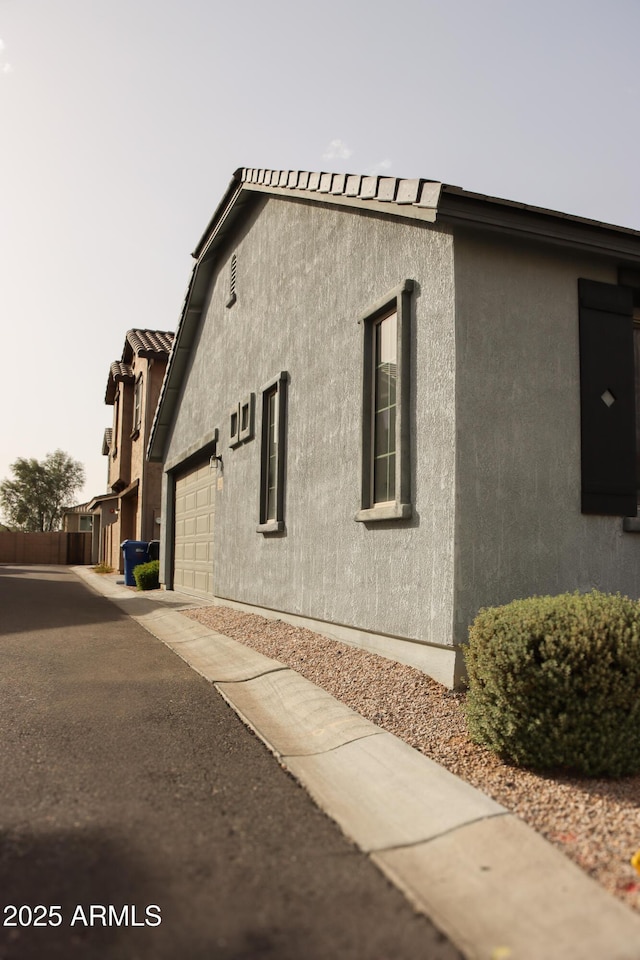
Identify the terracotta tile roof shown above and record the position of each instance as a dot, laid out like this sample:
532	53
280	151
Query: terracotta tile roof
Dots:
150	343
120	371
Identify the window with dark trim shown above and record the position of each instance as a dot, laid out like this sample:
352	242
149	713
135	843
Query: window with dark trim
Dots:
234	425
272	454
386	493
241	416
246	417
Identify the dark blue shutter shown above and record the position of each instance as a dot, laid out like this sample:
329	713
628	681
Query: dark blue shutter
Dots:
607	395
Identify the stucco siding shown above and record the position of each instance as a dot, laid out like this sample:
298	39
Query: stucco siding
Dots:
305	274
519	529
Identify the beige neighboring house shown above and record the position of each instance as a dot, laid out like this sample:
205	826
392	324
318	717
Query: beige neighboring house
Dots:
78	519
130	510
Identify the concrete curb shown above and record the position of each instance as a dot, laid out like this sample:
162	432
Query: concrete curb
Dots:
493	885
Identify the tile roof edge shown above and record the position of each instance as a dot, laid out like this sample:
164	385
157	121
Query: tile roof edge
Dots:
147	343
380	191
385	194
139	330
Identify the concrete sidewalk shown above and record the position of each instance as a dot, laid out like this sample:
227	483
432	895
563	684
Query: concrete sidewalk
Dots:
489	882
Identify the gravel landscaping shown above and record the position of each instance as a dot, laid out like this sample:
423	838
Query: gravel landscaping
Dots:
595	822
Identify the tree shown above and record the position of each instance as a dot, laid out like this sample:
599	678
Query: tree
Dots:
42	489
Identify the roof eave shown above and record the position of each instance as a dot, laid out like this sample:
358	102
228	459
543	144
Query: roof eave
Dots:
100	499
178	358
220	213
461	208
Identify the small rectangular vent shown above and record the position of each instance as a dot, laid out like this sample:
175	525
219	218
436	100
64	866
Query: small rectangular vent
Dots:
232	282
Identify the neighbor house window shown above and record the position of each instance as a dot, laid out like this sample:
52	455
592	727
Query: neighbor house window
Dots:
116	425
137	407
272	455
385	408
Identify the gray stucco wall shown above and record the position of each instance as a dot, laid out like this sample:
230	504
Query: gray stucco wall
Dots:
519	529
305	274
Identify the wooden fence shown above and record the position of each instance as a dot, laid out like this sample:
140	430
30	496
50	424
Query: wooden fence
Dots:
72	548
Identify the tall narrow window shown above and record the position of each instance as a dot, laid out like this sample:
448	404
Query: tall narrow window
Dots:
116	425
272	455
386	493
137	407
384	409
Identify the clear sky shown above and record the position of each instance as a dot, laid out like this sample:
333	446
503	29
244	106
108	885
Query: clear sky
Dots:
122	121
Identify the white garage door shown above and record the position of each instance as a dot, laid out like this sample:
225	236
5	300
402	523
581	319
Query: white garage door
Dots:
194	515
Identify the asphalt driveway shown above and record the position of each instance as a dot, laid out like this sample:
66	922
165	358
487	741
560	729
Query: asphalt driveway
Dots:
141	819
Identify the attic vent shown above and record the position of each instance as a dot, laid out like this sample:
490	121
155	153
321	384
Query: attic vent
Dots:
232	282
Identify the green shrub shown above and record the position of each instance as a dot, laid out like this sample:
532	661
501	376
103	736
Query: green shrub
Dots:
147	575
554	682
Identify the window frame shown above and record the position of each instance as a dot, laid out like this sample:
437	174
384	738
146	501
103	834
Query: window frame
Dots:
276	387
234	426
398	301
246	418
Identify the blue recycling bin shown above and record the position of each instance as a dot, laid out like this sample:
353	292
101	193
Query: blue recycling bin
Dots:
134	553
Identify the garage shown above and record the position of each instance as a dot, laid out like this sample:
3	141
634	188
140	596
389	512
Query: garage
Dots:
194	521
